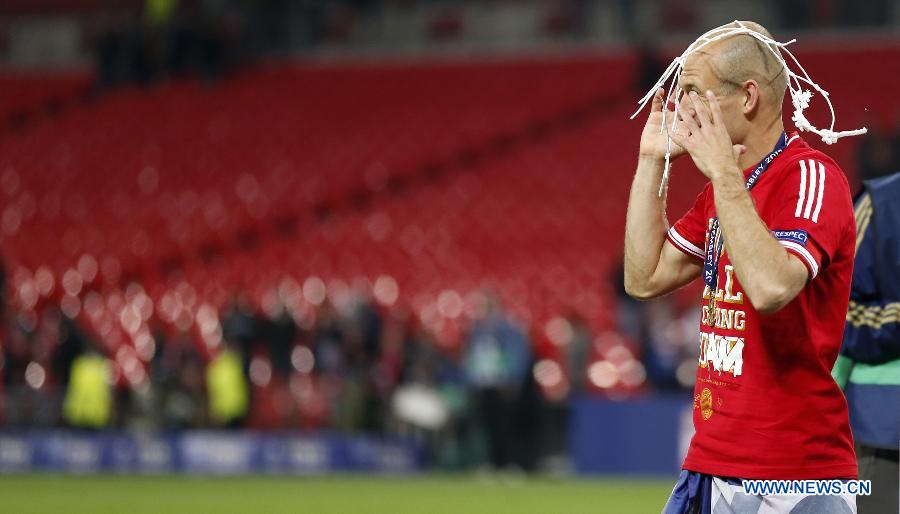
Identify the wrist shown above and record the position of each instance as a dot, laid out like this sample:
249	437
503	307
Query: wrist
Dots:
651	160
727	173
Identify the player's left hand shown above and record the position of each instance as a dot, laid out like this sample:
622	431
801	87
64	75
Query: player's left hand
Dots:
704	136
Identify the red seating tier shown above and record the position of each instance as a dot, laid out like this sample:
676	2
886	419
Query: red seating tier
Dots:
286	172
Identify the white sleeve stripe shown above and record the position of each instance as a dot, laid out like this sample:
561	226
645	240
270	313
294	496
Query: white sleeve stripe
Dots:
802	189
815	216
812	189
804	254
684	244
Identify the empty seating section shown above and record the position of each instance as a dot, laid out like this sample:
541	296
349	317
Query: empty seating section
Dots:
441	179
33	95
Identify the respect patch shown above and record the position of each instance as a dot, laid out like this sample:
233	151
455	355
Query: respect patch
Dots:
796	236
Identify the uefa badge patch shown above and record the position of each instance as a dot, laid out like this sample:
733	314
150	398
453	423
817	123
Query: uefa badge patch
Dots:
795	236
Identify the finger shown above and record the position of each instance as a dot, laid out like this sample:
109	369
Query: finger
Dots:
680	139
738	151
657	104
702	110
681	127
672	101
687	117
688	101
714	108
681	130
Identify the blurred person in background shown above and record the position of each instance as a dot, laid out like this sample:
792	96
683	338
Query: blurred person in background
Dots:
278	329
665	330
662	345
38	349
227	388
378	371
578	354
240	325
18	401
496	361
337	369
89	397
631	314
868	368
177	376
429	397
877	155
166	38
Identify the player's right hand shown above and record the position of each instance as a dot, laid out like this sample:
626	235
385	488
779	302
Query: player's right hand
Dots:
653	142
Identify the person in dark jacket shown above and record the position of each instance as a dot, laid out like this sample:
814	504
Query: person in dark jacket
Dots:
868	368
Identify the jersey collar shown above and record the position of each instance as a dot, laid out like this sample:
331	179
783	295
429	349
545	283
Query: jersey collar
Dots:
793	137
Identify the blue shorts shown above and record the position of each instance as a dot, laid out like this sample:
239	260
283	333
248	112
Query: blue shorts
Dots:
697	493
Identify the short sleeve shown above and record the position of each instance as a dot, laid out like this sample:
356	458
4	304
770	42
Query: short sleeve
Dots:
688	234
813	209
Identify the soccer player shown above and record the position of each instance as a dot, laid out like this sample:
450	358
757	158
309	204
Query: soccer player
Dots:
772	235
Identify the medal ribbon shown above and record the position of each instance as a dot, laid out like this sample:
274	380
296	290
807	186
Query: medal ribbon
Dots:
715	240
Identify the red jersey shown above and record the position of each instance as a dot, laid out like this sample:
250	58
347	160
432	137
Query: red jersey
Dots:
765	403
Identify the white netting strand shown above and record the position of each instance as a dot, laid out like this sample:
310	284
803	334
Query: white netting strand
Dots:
800	97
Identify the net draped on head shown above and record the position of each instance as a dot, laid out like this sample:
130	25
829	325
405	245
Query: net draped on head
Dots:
796	81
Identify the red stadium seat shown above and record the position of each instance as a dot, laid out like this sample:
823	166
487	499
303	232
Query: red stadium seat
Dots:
446	177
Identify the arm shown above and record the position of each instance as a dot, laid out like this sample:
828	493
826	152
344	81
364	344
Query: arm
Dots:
872	332
770	276
653	266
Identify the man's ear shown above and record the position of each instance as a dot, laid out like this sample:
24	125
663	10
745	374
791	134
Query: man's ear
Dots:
750	96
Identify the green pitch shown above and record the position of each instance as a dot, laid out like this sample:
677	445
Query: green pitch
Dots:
431	494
